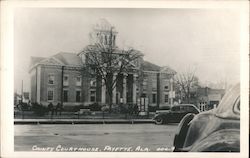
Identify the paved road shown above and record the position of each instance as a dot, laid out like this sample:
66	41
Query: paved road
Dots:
94	137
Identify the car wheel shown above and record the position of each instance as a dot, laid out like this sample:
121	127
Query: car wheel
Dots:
159	121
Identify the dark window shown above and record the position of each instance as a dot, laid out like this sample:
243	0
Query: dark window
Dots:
92	96
51	79
78	96
176	108
65	96
154	98
50	95
166	98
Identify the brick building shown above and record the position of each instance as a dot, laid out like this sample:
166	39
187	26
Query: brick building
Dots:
63	78
209	97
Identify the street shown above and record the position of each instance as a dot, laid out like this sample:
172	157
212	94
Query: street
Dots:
95	137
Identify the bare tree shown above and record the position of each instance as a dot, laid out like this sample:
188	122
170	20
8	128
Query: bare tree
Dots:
108	62
186	83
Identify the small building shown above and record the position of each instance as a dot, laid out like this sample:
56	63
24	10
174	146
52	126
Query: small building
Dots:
209	98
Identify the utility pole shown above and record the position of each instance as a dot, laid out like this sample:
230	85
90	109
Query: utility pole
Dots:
22	93
158	90
171	92
62	86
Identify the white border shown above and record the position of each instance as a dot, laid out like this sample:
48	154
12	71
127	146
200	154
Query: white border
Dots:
7	74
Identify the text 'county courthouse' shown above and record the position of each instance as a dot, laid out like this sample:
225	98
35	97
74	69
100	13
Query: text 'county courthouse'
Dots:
63	78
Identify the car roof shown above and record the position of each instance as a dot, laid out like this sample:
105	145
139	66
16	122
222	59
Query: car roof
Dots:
183	105
226	106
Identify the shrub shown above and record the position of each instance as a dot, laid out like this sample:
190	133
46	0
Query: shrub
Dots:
95	107
39	109
152	108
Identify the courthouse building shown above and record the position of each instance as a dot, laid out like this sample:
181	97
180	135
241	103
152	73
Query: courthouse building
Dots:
63	78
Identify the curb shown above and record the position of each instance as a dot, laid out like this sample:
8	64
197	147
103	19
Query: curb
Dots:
53	121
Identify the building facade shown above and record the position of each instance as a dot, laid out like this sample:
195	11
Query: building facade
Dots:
64	78
209	98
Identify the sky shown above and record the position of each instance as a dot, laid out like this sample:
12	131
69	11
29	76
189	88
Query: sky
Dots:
205	39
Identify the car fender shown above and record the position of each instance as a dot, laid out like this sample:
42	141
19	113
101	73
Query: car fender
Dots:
181	133
227	140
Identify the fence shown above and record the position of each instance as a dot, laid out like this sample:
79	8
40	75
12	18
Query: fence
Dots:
27	114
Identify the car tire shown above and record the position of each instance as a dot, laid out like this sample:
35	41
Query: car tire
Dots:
159	121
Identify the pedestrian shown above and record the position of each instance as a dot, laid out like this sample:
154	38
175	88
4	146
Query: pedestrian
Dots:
59	109
136	109
51	108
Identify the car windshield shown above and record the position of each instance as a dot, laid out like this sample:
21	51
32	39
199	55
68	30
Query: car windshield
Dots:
226	107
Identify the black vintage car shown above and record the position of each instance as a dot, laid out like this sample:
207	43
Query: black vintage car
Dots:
217	130
174	114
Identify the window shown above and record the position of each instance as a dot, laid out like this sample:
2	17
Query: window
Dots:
93	83
166	98
154	98
66	80
92	96
65	95
144	84
50	95
78	96
51	79
78	81
176	108
154	84
166	87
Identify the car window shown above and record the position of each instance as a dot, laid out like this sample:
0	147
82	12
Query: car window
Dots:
236	108
164	108
176	108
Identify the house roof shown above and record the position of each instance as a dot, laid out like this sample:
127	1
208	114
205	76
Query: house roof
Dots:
63	57
35	60
148	66
209	91
68	58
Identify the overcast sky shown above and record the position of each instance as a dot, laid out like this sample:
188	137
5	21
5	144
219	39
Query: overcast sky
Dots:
207	39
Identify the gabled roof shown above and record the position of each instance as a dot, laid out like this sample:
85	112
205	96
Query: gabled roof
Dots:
35	60
62	58
168	70
147	66
68	58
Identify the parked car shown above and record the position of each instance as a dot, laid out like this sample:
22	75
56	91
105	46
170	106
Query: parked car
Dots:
217	130
175	114
162	109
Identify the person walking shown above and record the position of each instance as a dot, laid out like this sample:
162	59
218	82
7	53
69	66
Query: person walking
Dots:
51	109
59	109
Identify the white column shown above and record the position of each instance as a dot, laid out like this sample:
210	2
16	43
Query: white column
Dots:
124	93
114	90
103	92
134	88
38	84
171	91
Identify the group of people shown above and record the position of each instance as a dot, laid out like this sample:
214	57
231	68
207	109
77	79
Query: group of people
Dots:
55	109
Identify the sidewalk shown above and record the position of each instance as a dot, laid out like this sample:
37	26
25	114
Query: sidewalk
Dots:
81	121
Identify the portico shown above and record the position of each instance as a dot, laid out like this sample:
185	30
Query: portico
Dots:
124	90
